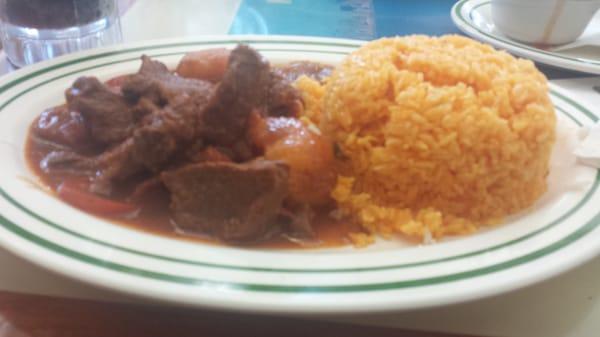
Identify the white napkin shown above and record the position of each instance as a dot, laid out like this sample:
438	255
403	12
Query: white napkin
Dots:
588	149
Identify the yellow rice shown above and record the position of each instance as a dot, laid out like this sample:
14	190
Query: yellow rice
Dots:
440	135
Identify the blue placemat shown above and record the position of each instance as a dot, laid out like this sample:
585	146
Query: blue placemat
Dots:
355	19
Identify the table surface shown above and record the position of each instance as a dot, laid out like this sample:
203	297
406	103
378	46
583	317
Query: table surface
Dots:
568	305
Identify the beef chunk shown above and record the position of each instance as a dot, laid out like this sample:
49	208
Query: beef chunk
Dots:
290	72
61	126
167	131
147	187
158	138
107	115
155	82
143	108
113	165
244	89
234	202
192	155
155	143
116	164
284	99
68	162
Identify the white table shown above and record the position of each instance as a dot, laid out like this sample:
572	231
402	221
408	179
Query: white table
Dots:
568	305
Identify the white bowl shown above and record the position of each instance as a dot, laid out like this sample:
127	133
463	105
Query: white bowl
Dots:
543	22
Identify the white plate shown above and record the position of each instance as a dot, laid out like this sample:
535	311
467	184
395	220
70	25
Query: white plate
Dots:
474	18
560	232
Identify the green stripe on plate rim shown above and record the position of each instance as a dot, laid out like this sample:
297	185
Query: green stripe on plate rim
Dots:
263	269
458	12
185	280
172	45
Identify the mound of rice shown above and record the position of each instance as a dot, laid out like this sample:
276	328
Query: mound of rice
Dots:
439	135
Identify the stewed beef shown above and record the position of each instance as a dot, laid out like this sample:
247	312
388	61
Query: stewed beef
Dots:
196	153
191	141
155	82
61	126
158	138
244	89
68	161
114	165
168	130
106	114
171	108
234	202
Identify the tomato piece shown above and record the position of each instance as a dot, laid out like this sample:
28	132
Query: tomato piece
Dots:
70	193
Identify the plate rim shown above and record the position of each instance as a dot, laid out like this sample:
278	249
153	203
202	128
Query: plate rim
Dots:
461	16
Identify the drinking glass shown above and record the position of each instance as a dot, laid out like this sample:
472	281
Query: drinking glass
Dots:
36	30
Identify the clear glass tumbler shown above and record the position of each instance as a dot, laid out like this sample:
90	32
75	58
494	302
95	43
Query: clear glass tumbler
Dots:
36	30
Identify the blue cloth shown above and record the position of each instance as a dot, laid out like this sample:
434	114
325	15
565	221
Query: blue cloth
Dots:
403	17
356	19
